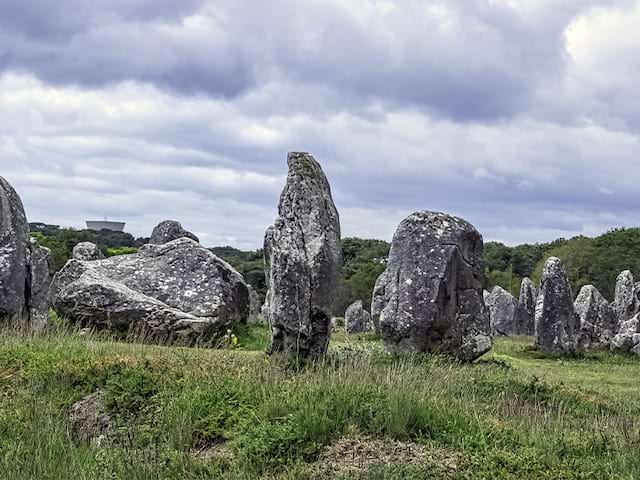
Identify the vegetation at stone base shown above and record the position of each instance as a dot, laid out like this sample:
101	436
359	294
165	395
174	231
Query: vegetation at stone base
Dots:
596	261
239	414
62	240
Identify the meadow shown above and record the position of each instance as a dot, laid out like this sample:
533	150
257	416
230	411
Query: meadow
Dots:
237	413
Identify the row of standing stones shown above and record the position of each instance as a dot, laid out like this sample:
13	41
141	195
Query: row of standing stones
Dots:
429	298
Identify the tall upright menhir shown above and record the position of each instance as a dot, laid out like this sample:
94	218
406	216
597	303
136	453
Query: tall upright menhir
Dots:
302	261
24	265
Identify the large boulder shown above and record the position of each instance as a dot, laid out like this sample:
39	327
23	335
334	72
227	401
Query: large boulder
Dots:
598	321
177	292
503	311
357	319
624	302
24	265
170	230
556	324
302	261
87	251
433	288
527	307
628	338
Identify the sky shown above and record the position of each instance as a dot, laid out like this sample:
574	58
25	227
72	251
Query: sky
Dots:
521	116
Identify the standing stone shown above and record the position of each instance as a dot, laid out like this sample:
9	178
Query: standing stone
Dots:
597	318
14	251
378	301
503	311
24	265
302	261
433	288
170	230
255	307
556	324
527	307
624	302
357	319
39	275
87	251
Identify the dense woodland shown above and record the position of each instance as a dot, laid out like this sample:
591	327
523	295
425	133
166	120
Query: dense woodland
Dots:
596	261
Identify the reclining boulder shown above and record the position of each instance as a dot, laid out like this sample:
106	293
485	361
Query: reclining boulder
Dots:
177	291
432	289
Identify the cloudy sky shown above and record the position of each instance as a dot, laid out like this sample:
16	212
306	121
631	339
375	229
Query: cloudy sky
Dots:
522	116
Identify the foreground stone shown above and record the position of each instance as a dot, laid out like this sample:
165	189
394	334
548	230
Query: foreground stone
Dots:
624	302
598	321
87	251
433	288
175	292
357	319
89	421
527	307
302	261
503	311
24	265
628	338
556	324
168	231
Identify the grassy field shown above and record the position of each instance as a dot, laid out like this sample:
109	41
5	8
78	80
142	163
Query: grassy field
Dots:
240	414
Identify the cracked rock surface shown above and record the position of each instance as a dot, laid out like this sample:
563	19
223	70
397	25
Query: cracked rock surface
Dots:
24	265
302	261
598	321
432	288
177	291
357	319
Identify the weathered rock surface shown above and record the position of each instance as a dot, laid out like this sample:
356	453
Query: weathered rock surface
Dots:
357	319
433	288
89	421
598	321
628	338
624	302
178	291
87	251
302	261
556	324
255	307
503	311
14	253
527	307
24	265
378	301
40	267
170	230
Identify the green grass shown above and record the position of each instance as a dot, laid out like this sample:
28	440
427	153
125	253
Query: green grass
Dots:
240	414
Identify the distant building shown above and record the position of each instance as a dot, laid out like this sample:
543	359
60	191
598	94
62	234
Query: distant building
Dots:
98	225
